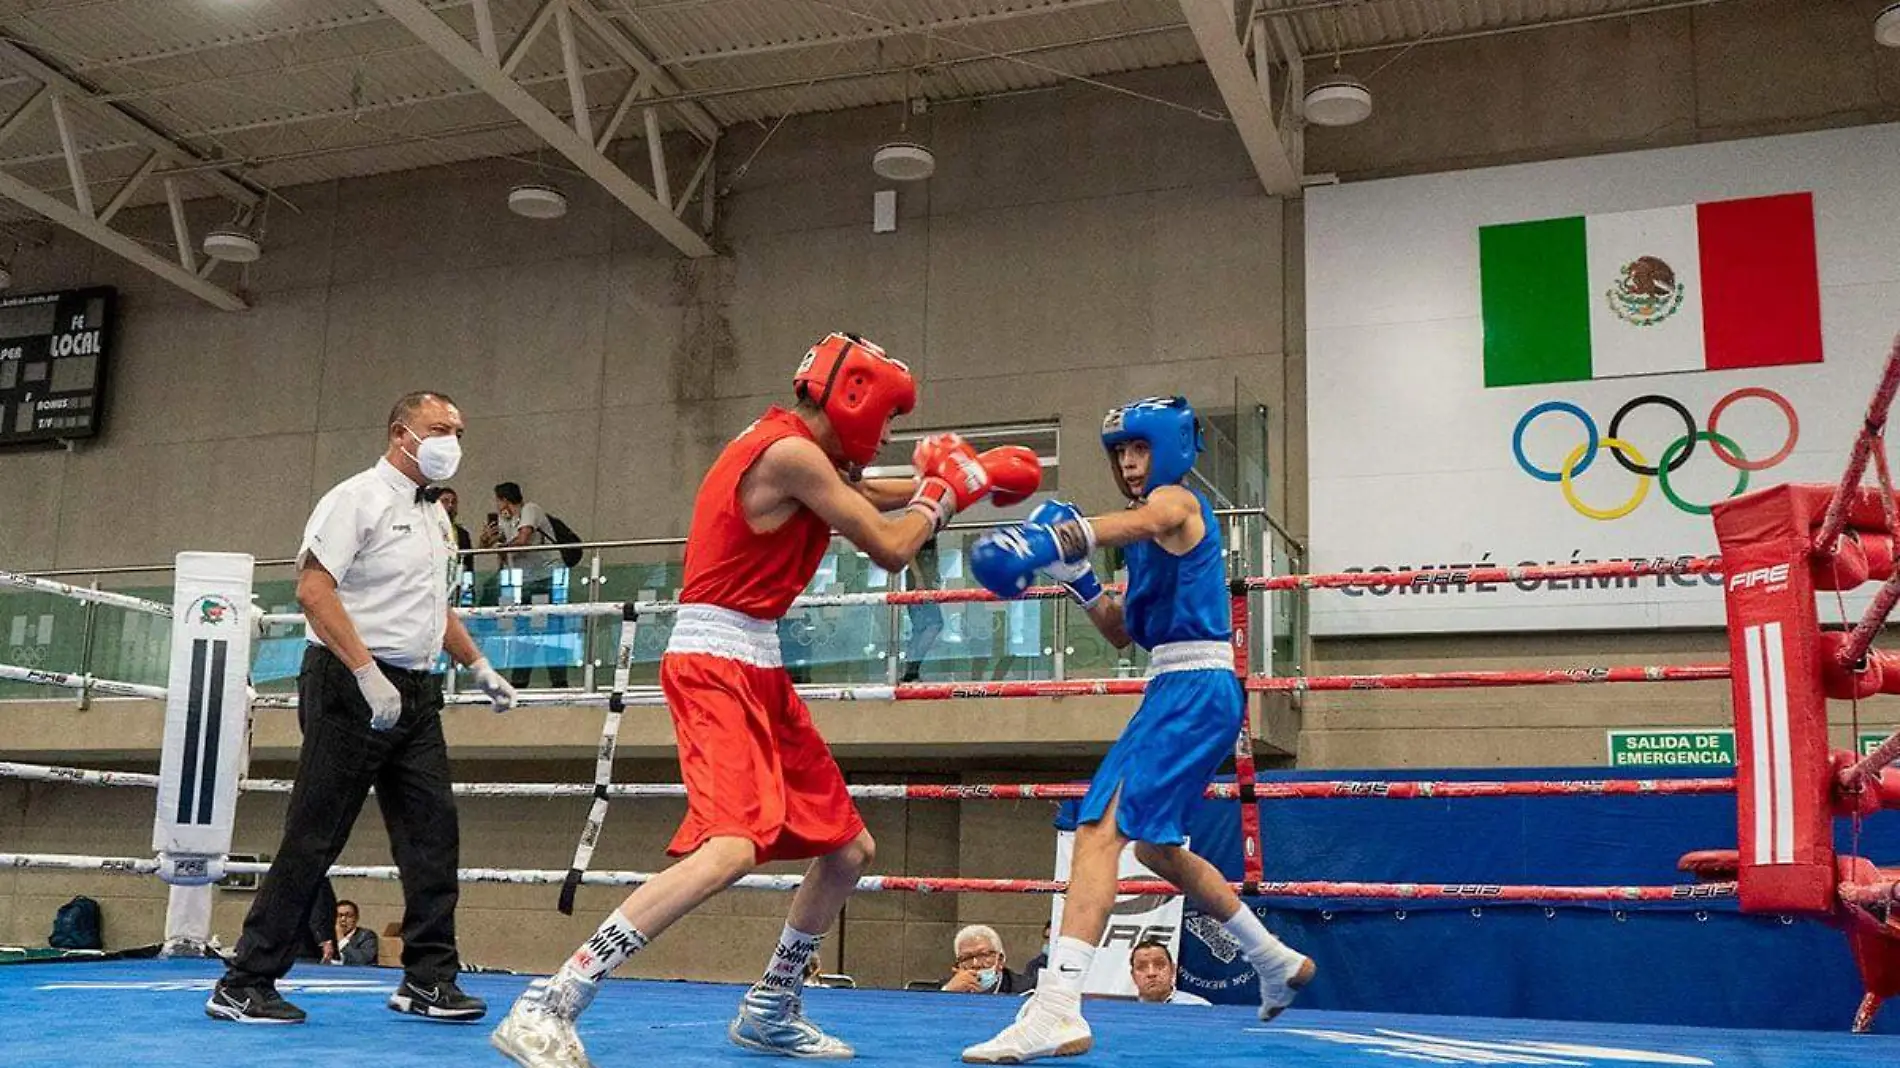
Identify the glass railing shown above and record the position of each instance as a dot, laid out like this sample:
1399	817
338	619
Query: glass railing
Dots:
1019	640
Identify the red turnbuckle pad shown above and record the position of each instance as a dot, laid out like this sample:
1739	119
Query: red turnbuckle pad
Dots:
1878	671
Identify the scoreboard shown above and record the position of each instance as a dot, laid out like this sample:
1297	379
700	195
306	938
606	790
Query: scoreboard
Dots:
53	349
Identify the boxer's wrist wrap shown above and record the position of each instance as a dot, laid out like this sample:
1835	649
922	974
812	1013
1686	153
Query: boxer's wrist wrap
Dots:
1076	540
935	500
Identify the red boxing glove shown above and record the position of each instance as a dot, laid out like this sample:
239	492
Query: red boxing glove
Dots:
1015	474
950	459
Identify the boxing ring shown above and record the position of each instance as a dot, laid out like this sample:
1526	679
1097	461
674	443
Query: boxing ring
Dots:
1781	547
54	1016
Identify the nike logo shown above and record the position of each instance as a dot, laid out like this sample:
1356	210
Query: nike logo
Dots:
432	994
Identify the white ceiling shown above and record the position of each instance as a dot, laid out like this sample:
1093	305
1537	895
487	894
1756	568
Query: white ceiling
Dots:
292	91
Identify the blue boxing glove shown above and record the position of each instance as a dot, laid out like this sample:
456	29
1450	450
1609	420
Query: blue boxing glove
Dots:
1005	560
1078	578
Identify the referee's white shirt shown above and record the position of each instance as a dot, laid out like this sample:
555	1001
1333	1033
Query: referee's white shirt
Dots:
393	558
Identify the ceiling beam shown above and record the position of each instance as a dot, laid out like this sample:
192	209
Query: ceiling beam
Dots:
464	57
1212	22
880	29
127	122
104	236
633	54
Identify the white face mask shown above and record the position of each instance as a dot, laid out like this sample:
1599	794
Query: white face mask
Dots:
438	457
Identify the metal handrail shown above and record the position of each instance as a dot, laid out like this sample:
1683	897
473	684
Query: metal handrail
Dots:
618	543
587	588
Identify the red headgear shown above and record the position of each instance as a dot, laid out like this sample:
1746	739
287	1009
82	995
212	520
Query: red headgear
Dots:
858	387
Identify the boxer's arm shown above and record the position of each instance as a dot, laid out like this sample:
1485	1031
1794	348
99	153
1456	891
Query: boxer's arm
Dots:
1106	614
888	494
1170	515
800	471
325	616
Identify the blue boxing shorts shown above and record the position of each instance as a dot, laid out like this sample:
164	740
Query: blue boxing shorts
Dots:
1189	718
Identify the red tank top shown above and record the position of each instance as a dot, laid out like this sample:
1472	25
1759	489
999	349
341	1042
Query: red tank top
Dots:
729	564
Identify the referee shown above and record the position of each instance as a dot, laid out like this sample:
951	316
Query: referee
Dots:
376	571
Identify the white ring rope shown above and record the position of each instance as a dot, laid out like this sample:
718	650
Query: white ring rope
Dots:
820	600
388	872
83	593
81	682
139	779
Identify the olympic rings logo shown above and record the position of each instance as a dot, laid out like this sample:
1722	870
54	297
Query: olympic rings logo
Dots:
1668	462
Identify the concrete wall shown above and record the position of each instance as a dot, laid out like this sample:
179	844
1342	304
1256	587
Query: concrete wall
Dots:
1063	259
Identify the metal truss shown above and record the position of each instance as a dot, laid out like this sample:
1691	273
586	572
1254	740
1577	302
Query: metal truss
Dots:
489	67
1240	46
59	100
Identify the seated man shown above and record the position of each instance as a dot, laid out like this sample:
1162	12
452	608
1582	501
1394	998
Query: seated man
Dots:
980	965
1154	973
354	945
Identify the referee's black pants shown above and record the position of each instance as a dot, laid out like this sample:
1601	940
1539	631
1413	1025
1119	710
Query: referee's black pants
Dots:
341	759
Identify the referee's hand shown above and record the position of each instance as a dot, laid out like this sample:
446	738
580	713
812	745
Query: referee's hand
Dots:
385	704
491	683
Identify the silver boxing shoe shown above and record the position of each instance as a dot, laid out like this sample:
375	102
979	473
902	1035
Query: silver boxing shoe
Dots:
773	1021
538	1031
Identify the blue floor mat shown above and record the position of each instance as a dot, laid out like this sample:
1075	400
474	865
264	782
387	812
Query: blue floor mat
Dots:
150	1014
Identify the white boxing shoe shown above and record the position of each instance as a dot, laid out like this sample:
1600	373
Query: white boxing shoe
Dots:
1280	985
538	1031
1048	1025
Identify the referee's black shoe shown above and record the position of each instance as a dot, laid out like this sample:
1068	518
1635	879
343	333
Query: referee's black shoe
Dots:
251	1005
438	1001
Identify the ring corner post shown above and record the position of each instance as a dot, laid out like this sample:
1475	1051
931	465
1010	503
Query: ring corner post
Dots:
207	711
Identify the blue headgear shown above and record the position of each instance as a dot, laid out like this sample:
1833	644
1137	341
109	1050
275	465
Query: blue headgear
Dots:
1170	428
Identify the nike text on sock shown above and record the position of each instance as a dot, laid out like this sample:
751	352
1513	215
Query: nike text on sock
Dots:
609	948
786	971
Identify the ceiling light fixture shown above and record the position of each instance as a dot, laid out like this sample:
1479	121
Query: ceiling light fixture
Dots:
1887	26
533	200
904	160
1338	99
232	243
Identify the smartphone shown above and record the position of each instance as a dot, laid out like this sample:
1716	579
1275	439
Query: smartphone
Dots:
493	518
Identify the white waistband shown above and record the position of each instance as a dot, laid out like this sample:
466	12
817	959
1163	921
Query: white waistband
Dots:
722	632
1190	656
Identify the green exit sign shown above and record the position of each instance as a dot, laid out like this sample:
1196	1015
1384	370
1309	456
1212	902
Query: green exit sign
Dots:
1708	747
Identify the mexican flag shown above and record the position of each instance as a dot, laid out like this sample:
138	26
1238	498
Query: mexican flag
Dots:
1715	286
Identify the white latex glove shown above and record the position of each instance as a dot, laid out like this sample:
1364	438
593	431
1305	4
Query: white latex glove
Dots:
385	704
489	681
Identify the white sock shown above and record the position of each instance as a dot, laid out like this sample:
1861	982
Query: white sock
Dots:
1265	952
787	968
612	944
1069	961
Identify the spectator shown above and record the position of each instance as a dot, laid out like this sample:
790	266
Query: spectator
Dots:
522	525
1154	973
451	503
1033	970
354	945
926	620
981	965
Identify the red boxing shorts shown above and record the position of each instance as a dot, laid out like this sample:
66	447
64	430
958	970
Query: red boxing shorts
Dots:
753	764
